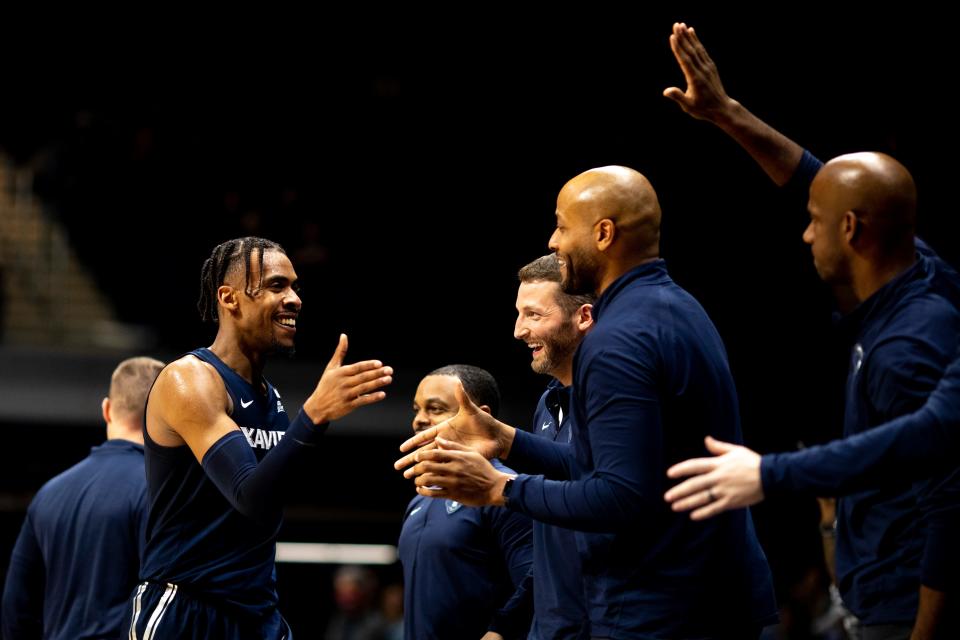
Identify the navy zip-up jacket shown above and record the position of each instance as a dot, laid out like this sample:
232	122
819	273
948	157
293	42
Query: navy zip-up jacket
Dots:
895	526
560	611
650	381
460	566
922	445
910	447
78	553
906	335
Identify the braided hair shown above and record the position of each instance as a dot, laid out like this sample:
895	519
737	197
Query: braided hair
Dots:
224	258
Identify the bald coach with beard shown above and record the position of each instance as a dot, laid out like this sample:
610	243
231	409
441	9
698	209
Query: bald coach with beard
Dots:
649	382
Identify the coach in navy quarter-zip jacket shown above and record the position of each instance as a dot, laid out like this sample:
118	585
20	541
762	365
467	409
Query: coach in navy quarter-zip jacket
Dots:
461	564
78	553
650	380
895	532
911	447
553	323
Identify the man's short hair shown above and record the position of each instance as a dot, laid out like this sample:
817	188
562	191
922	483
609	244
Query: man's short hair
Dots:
478	383
547	269
130	384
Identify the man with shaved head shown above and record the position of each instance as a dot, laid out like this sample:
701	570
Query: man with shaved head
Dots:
862	214
897	530
649	382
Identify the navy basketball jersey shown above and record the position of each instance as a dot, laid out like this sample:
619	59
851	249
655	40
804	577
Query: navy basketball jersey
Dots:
195	538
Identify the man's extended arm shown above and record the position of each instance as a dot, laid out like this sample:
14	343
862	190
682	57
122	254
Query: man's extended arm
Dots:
912	446
626	459
190	400
706	99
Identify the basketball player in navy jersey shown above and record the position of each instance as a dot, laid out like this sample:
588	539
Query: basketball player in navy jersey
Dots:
219	448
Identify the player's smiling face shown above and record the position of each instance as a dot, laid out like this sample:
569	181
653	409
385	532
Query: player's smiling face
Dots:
268	316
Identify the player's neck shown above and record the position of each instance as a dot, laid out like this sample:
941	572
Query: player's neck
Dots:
248	363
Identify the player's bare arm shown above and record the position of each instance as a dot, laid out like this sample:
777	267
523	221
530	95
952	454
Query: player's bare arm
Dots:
189	405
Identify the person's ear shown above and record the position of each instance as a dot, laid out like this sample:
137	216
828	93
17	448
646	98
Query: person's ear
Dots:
228	297
584	317
852	227
604	233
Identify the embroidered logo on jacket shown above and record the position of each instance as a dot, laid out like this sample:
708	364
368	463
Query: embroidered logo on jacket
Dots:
857	359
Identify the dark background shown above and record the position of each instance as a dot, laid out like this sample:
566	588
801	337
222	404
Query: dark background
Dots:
425	160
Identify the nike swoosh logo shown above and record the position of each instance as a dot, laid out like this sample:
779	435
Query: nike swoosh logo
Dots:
545	425
415	510
245	404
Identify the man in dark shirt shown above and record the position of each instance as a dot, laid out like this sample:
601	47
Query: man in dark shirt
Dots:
553	323
900	303
650	380
78	553
462	564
